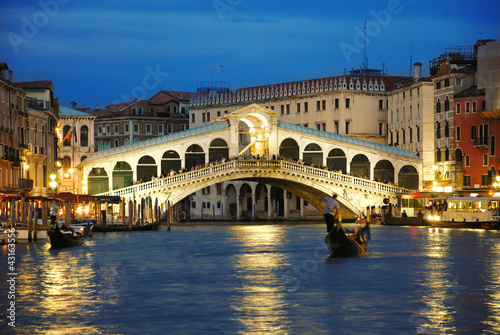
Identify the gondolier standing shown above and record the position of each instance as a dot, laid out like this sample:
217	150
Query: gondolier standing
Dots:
53	214
331	212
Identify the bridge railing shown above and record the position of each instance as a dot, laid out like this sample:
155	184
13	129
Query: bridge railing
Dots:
245	164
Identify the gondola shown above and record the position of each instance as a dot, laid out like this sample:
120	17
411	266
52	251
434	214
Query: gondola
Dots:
68	238
342	242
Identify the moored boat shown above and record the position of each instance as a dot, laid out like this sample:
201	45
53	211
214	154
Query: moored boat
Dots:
120	227
345	242
64	238
467	212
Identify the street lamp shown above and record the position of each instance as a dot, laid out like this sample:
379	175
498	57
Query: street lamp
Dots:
53	184
497	183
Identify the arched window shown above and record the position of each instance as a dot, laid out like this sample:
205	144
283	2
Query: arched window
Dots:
438	106
447	104
65	133
127	142
117	143
84	136
392	116
492	146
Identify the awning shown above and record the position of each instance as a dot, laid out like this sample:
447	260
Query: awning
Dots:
10	194
74	197
115	199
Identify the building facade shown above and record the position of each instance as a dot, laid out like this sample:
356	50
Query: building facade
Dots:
43	150
136	121
76	145
411	121
14	169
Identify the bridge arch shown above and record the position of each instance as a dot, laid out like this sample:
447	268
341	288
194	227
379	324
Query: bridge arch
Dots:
146	168
408	177
194	156
337	160
171	160
289	148
98	181
123	175
313	154
218	149
360	166
384	171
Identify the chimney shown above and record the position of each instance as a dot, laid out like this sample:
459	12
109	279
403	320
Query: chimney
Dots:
417	72
11	76
73	105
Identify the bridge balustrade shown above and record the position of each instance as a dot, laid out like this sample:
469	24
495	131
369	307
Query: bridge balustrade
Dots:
262	164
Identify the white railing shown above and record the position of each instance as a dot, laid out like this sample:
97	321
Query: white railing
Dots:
236	166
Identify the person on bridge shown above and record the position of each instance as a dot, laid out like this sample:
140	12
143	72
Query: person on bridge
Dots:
331	212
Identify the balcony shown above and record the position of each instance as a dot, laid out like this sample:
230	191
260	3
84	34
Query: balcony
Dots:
25	185
37	103
480	142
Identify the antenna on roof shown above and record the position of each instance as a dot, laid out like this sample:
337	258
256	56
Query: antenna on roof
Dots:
365	58
411	62
480	28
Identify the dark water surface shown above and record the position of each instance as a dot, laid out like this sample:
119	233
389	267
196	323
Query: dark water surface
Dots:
262	279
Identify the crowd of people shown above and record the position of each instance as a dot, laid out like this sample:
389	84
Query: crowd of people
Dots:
223	160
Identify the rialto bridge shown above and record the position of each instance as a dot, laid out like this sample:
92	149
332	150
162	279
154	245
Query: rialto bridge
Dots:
251	147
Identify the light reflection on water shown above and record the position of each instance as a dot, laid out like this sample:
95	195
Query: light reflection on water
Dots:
265	279
261	300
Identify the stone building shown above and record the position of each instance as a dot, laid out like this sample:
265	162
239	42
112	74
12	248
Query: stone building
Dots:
76	145
14	167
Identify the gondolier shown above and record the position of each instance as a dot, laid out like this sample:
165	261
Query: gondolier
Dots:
331	212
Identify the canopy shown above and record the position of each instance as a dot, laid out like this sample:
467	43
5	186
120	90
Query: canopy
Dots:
74	197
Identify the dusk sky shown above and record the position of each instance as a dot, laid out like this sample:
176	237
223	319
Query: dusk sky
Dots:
102	52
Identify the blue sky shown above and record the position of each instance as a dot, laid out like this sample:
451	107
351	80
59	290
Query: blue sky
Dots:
102	52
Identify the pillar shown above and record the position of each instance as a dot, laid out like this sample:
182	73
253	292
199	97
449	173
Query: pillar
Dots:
269	205
253	205
224	206
238	206
286	201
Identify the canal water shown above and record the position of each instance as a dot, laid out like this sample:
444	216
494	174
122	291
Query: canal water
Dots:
256	279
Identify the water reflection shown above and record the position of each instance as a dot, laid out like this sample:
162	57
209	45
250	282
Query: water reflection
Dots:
437	315
261	303
493	273
60	286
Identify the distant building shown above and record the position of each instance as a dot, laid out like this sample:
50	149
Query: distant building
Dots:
42	136
14	166
411	121
77	144
130	122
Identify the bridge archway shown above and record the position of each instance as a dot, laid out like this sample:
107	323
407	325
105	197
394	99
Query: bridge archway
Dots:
408	177
194	156
337	160
146	168
360	166
231	194
170	161
384	171
290	149
98	181
123	176
313	154
218	149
